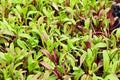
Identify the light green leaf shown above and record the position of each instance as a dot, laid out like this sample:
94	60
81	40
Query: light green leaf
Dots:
87	22
30	77
21	43
72	3
71	59
6	24
2	56
94	21
31	13
111	77
118	33
100	45
12	46
114	67
82	58
24	35
89	58
74	40
106	61
18	7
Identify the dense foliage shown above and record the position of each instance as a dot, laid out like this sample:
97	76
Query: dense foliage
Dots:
58	39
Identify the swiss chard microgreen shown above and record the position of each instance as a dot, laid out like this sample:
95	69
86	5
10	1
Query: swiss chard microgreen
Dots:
59	40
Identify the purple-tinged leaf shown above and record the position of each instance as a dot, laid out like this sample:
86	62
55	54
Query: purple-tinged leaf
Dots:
79	26
45	65
117	1
67	2
116	25
118	75
88	45
86	77
93	11
47	54
100	63
72	29
101	12
57	73
67	77
55	57
93	28
82	18
109	15
64	69
45	36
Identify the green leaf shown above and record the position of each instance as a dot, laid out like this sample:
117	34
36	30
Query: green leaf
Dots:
118	33
94	21
114	67
31	13
65	47
2	56
21	43
74	40
85	4
113	40
89	58
40	20
71	59
96	77
82	58
18	7
6	24
111	77
62	58
73	2
94	68
47	12
78	72
30	77
106	61
18	64
87	22
32	64
17	50
12	46
100	45
113	52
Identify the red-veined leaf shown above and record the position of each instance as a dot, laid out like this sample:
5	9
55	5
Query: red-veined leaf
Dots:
57	73
47	54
